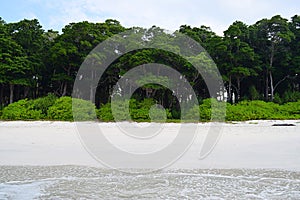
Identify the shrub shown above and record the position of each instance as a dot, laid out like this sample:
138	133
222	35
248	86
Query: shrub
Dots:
139	110
62	110
205	111
21	110
144	110
104	113
277	99
44	103
292	110
291	96
254	110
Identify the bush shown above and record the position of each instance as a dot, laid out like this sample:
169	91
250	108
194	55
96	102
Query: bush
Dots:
144	110
205	111
44	103
62	110
193	114
21	110
255	110
291	96
104	113
292	110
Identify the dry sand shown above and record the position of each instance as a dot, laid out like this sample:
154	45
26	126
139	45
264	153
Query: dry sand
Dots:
250	145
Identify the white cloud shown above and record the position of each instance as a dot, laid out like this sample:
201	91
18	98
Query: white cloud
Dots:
30	15
168	14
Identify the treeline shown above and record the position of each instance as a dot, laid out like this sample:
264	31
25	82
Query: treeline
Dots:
257	62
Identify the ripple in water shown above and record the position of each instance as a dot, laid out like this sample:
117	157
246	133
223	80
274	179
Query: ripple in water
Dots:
73	182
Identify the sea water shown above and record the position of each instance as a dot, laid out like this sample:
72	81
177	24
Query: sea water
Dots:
78	182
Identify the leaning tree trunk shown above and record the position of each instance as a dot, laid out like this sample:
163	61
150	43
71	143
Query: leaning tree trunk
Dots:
65	87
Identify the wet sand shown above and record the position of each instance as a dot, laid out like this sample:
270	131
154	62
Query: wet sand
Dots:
73	182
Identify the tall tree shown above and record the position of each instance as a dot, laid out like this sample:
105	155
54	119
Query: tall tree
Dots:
271	40
294	68
13	62
240	58
29	35
71	48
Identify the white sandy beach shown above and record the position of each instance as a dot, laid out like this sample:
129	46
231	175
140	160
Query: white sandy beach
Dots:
250	145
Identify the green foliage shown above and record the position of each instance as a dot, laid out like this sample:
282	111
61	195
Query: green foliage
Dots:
292	110
50	107
144	110
104	113
205	111
62	110
84	110
277	99
140	110
290	96
250	59
260	110
245	110
21	110
44	103
254	94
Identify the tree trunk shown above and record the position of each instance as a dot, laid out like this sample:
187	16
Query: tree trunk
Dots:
267	86
65	87
229	90
271	86
238	89
17	92
92	95
1	95
269	72
26	92
11	95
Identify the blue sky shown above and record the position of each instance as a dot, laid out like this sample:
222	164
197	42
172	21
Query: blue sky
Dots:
168	14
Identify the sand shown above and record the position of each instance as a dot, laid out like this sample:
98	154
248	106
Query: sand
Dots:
248	145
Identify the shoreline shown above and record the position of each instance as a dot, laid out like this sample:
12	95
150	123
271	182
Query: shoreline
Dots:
254	144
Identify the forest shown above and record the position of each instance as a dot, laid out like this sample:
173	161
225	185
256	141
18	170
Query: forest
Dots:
260	61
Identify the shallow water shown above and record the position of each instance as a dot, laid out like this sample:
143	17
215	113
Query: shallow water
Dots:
74	182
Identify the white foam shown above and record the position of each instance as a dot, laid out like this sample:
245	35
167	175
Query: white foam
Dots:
21	190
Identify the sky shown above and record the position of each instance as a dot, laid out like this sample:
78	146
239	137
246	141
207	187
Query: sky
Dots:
167	14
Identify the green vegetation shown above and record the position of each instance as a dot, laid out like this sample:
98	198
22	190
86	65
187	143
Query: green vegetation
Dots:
62	110
260	110
145	110
259	63
49	108
138	110
21	110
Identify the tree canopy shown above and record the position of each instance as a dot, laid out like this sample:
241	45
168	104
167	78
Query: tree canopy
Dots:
258	61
